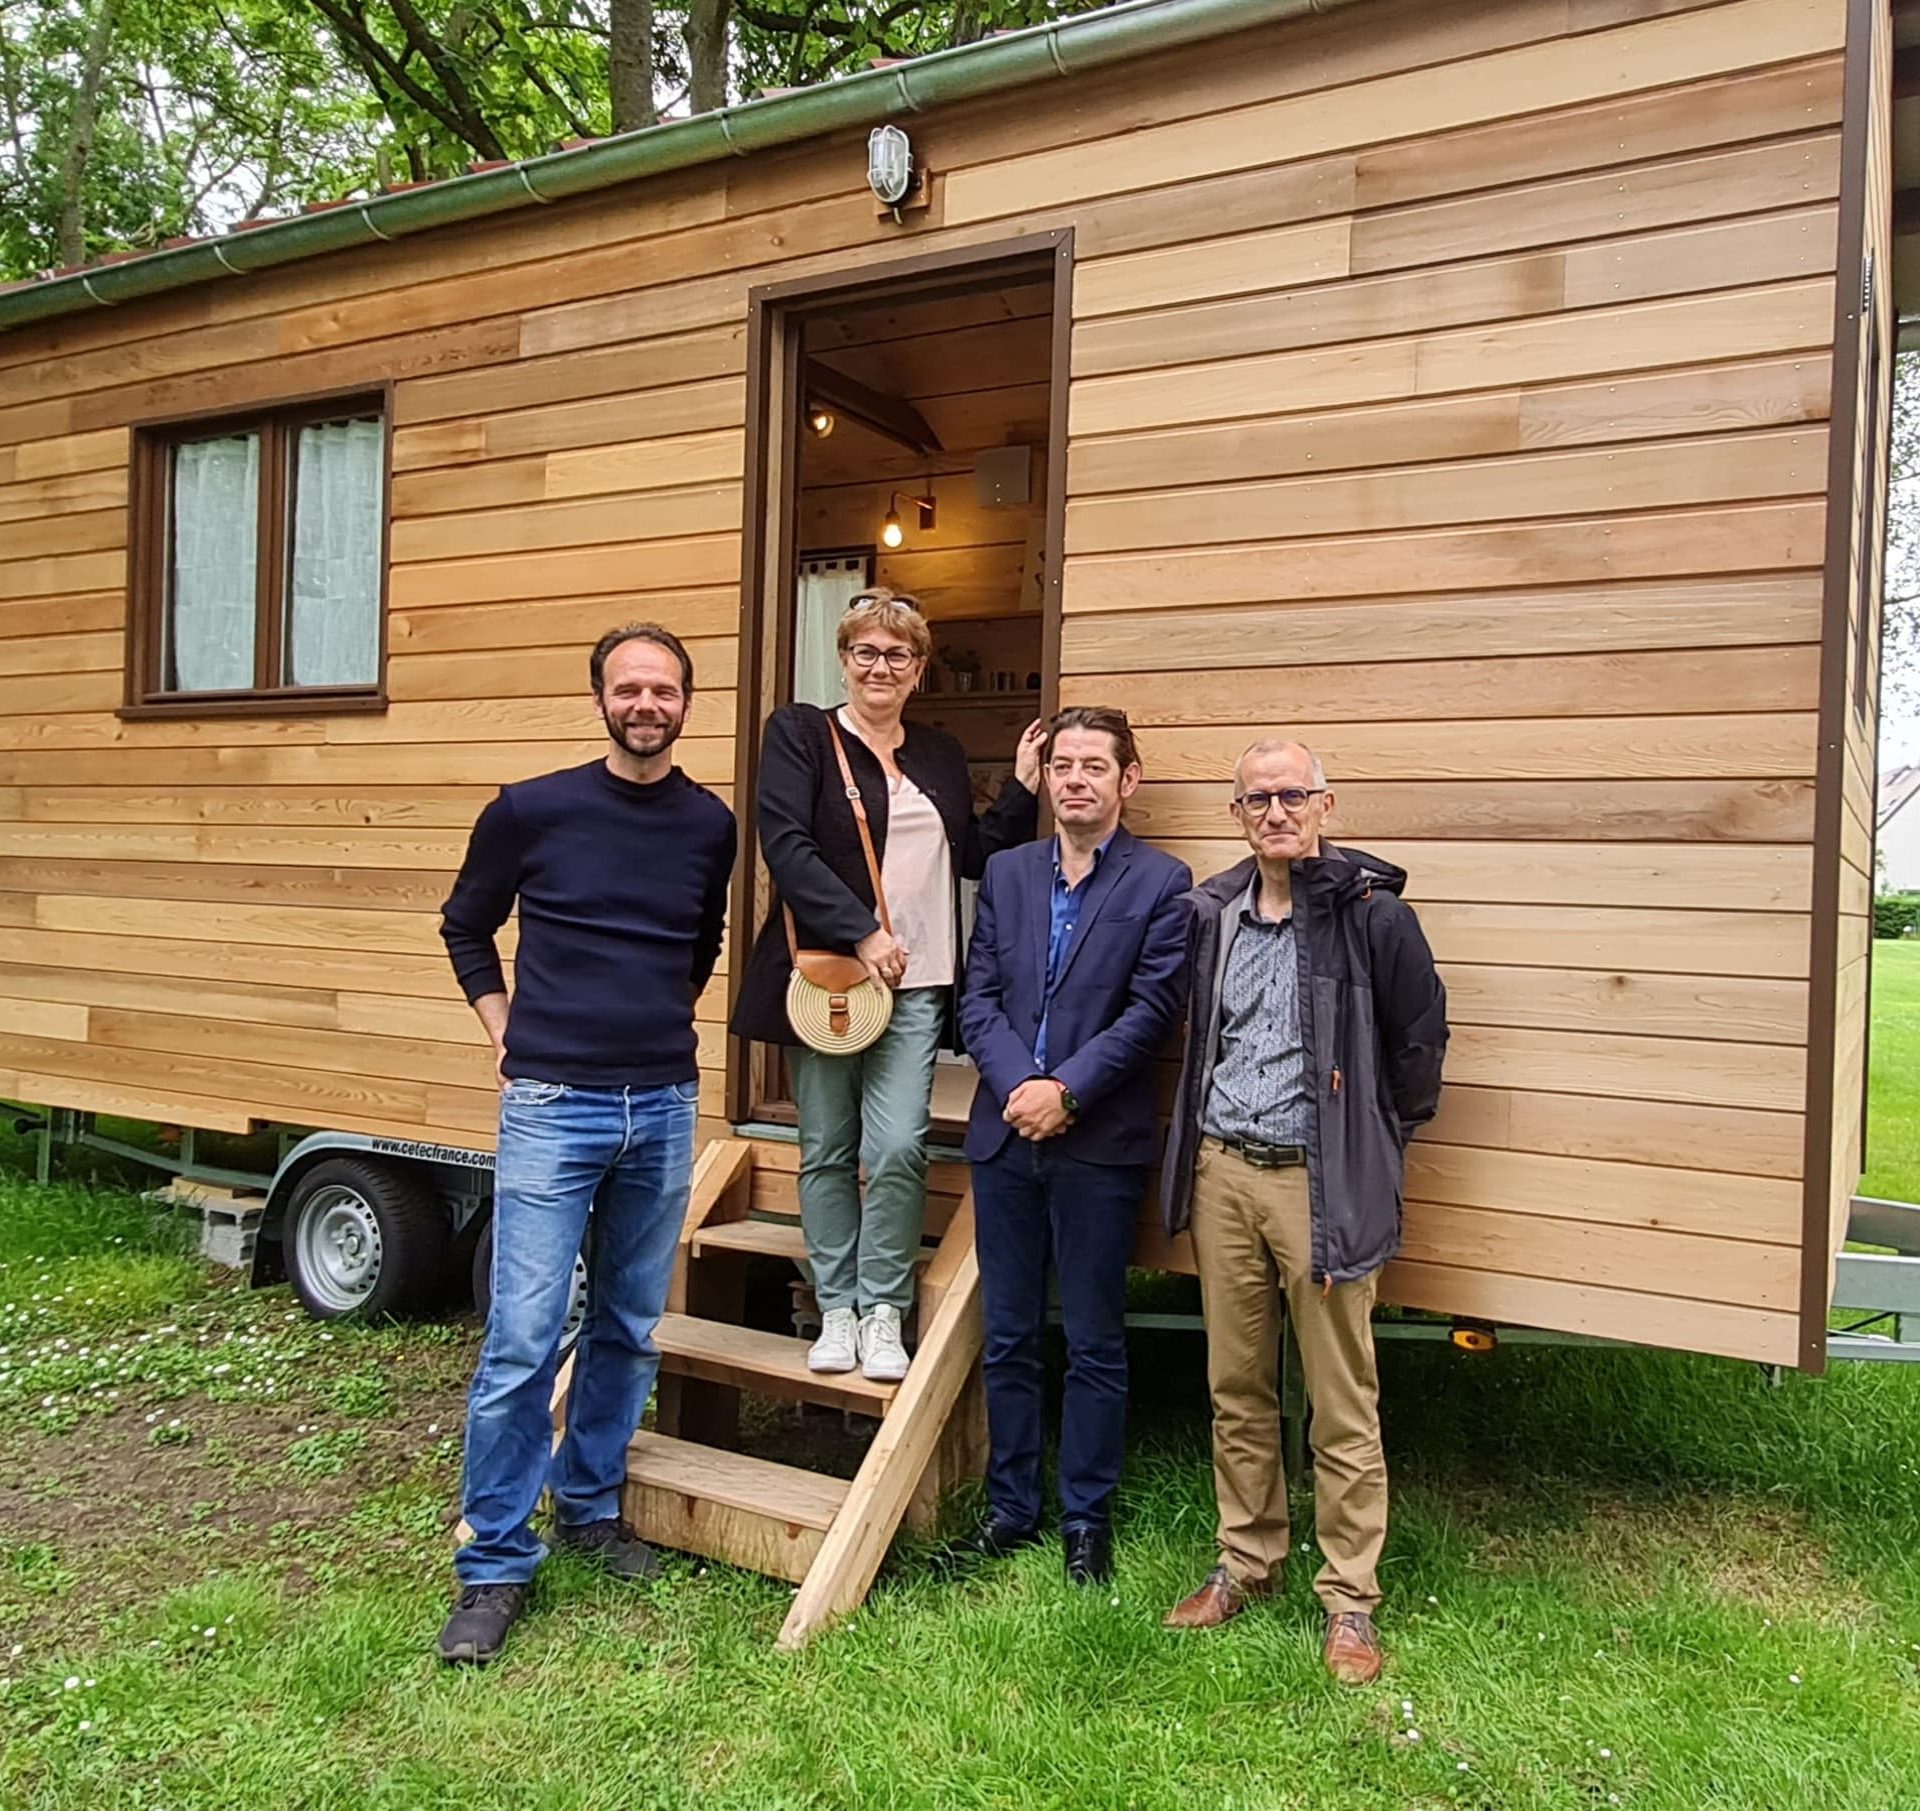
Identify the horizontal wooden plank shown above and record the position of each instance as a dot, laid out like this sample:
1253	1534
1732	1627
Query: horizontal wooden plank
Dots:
58	573
1744	538
35	499
550	673
1693	1071
424	807
690	408
389	889
558	622
1627	267
1602	481
1674	1264
1752	746
1313	252
1667	1134
1769	945
1658	811
1728	326
89	1095
1616	410
1529	79
293	927
1758	1335
69	613
199	996
1708	612
318	968
1740	1009
1763	1210
579	523
1653	683
100	450
665	565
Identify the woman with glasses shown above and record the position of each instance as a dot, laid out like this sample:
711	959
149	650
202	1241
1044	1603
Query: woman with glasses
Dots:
871	1107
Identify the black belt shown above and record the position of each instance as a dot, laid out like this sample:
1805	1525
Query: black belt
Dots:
1261	1156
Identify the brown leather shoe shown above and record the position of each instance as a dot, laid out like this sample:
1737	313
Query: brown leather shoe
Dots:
1352	1651
1219	1599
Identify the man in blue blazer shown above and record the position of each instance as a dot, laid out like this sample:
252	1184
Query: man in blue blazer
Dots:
1076	975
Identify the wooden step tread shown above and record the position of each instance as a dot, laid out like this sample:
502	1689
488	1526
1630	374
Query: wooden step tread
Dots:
765	1238
783	1493
767	1362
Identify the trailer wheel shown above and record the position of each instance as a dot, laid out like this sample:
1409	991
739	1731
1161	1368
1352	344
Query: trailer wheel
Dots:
365	1239
483	1286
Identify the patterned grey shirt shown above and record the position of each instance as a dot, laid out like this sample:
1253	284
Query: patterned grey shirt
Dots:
1259	1083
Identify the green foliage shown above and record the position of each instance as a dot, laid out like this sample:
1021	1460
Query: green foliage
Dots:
204	112
1896	915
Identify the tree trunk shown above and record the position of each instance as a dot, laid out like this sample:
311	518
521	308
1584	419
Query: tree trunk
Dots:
630	64
707	40
70	226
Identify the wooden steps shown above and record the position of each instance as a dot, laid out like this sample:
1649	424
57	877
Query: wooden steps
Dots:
766	1239
768	1363
749	1512
689	1490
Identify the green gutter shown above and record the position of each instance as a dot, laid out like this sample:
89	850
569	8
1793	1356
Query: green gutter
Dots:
994	65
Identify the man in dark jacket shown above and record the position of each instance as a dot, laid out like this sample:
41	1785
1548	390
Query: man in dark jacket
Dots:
1076	975
1314	1044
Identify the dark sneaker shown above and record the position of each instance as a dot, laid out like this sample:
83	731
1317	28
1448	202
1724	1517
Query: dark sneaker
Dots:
477	1630
612	1545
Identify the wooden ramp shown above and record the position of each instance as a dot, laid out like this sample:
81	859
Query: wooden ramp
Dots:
689	1488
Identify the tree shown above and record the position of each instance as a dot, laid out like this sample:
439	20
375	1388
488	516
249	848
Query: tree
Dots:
124	123
1900	606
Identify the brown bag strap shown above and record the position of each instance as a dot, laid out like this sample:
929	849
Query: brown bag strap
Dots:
866	839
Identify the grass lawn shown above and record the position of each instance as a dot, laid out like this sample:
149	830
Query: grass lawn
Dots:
1615	1578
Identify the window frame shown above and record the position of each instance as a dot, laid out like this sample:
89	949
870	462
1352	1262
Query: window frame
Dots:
149	533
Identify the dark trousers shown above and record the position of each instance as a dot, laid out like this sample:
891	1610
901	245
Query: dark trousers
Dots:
1032	1206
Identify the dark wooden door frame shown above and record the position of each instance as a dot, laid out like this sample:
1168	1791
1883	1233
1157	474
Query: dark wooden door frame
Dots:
776	314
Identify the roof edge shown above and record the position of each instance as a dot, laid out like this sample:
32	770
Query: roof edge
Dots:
1061	47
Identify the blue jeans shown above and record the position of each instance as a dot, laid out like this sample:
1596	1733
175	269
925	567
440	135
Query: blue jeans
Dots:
869	1108
1032	1206
626	1153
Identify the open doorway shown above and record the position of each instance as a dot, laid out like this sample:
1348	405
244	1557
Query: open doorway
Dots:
906	428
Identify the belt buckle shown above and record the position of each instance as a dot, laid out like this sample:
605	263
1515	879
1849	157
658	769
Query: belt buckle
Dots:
1270	1156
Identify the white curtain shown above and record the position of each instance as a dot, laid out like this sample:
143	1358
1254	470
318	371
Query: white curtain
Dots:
825	589
333	634
216	520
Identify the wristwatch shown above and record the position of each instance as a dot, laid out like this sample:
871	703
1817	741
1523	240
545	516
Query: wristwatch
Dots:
1068	1098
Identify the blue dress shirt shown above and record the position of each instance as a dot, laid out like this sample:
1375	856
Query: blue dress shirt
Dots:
1063	914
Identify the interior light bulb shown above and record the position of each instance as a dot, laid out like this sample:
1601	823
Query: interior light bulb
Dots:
891	533
819	422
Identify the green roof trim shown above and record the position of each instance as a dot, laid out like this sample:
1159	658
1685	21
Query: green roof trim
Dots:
1063	47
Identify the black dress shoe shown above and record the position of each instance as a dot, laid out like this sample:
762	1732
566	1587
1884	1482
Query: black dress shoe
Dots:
993	1539
1089	1555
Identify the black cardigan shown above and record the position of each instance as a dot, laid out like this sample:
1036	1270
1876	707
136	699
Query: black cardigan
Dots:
812	846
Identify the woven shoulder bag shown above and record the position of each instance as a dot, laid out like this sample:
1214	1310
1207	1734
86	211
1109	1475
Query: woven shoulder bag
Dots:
833	1004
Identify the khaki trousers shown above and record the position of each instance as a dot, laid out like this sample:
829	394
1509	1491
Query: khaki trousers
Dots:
1251	1238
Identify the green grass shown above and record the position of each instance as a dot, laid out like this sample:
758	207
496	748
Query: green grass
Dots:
1614	1577
1893	1116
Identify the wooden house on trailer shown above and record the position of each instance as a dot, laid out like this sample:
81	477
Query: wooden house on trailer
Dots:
1495	394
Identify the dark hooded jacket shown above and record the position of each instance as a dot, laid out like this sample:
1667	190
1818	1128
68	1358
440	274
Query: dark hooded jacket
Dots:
1373	1019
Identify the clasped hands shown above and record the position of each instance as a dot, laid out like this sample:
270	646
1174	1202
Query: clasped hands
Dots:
1038	1109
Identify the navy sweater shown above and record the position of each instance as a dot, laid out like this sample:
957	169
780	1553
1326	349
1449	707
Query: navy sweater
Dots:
623	898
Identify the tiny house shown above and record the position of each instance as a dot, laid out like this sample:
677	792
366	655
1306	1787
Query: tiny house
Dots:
1493	395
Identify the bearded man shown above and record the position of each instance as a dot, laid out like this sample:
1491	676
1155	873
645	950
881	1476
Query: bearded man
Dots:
620	869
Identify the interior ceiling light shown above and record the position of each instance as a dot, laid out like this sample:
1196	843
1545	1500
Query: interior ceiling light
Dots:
820	421
891	532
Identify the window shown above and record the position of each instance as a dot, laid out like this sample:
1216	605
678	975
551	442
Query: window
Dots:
260	560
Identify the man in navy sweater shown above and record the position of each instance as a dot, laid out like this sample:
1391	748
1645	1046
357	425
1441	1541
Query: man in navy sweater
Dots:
620	870
1077	972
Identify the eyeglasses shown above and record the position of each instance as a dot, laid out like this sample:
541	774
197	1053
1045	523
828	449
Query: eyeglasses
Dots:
866	656
1291	799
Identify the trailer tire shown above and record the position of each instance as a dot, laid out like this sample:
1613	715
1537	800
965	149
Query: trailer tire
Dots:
483	1286
368	1240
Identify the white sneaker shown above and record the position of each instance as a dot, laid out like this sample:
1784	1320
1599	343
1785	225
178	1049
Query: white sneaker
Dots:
883	1359
837	1348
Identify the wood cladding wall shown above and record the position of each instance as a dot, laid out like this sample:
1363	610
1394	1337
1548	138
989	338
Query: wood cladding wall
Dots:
1447	384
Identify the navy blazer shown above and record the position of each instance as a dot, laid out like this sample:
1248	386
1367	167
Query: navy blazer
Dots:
1121	991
